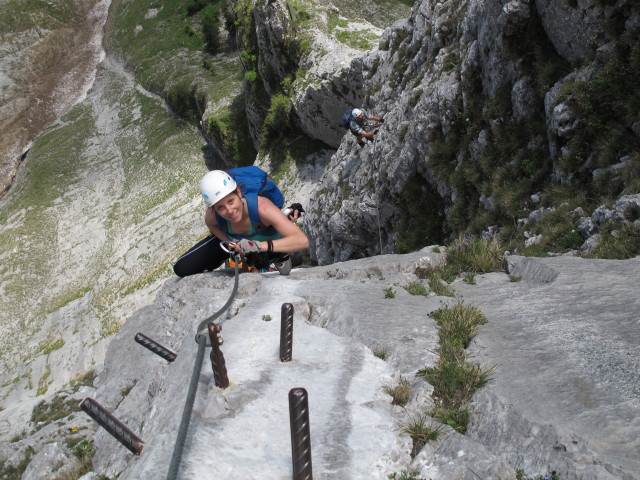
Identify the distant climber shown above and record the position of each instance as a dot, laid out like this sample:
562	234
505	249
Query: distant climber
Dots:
360	124
261	231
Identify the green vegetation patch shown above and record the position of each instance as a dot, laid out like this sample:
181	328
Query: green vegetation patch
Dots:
277	122
606	104
416	288
617	242
360	39
10	472
466	255
169	47
69	296
43	383
405	474
454	378
59	407
385	13
558	232
334	20
83	379
477	255
19	16
285	153
229	129
51	345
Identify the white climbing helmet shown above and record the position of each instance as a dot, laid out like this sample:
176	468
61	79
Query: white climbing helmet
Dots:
356	112
216	185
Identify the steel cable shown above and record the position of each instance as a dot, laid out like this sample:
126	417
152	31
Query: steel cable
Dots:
201	339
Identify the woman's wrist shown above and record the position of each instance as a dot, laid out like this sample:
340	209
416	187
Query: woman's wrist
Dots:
266	246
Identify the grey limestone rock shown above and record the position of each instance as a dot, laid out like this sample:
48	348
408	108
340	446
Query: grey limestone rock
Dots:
564	343
422	100
53	460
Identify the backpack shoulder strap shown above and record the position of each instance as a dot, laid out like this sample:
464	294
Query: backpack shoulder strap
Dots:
252	206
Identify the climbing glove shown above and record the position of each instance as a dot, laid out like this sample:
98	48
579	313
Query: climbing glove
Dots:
246	246
297	206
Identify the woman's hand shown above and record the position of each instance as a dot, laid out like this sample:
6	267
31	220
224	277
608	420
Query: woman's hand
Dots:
246	246
293	239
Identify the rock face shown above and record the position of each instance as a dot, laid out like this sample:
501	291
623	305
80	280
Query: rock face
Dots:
563	397
330	72
425	77
39	80
564	341
343	377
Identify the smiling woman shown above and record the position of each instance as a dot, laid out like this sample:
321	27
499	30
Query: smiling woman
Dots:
235	213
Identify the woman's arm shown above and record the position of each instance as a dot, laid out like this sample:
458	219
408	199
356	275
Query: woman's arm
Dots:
293	239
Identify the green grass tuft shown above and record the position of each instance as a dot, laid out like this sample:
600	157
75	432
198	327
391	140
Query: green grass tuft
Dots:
475	255
59	407
417	288
617	242
400	393
420	432
454	378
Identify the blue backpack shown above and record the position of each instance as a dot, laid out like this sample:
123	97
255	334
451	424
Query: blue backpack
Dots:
254	181
346	119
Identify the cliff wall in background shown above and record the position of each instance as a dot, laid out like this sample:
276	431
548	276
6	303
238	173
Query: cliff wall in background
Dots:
493	110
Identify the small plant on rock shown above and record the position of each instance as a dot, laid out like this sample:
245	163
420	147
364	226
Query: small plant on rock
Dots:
421	432
405	475
417	288
440	288
476	255
399	393
380	352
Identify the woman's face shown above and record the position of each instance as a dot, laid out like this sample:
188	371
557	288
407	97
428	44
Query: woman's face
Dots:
230	207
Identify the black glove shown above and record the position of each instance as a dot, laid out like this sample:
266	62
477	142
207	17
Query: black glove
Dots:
381	120
297	206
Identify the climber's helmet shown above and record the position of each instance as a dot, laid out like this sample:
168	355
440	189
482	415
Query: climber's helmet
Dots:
216	185
356	112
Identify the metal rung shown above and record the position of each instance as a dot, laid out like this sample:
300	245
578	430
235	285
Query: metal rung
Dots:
112	425
300	434
286	332
155	347
217	358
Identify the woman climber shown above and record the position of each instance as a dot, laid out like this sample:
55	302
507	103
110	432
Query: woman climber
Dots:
267	237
